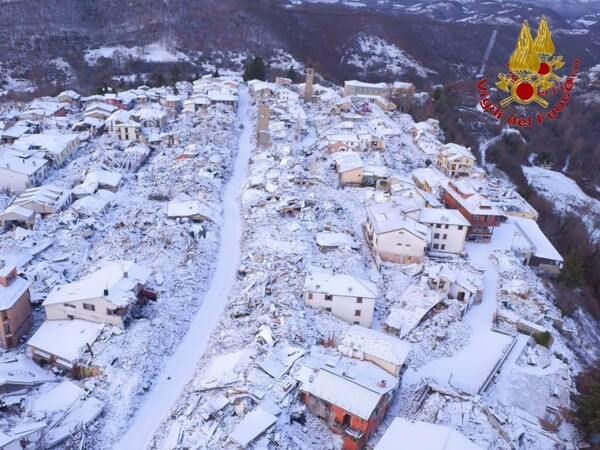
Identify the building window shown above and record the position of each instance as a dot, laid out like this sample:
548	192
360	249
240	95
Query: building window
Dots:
328	309
356	322
399	244
436	236
328	297
460	227
436	246
437	225
111	312
408	245
7	330
310	296
69	316
68	305
358	299
446	227
357	312
89	307
445	236
443	247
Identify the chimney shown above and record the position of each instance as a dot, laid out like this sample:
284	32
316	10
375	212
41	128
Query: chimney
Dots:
382	384
106	291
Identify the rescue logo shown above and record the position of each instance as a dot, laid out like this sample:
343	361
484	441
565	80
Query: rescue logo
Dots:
533	78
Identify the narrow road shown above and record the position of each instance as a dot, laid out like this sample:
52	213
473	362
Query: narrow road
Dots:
182	366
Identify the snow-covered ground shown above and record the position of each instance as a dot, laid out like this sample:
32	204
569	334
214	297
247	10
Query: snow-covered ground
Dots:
157	52
182	365
565	195
374	51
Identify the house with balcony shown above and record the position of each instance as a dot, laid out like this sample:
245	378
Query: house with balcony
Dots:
346	297
475	206
352	397
455	160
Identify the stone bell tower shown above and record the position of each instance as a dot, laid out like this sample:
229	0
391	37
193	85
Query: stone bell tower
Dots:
308	86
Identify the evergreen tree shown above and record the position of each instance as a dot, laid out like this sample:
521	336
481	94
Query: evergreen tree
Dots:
291	74
588	403
160	80
571	274
175	74
255	70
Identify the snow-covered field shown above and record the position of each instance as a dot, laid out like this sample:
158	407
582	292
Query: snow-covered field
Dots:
157	52
374	51
565	195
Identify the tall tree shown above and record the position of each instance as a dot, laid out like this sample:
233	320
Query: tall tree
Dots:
291	74
255	70
571	274
588	403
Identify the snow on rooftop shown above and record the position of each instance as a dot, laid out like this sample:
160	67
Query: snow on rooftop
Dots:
414	303
60	398
120	278
332	239
386	217
355	386
10	294
20	162
416	435
252	425
543	247
442	216
338	284
22	370
375	343
67	339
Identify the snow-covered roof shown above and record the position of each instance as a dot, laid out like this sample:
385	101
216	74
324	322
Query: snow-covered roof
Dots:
93	204
374	343
252	425
72	94
26	163
67	339
49	141
22	370
364	84
469	198
338	284
543	247
215	96
345	138
442	216
416	435
48	195
332	239
119	277
355	386
376	170
346	161
17	130
13	292
402	85
385	217
455	151
411	307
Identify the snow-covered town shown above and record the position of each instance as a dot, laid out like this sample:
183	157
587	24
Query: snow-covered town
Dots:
269	265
